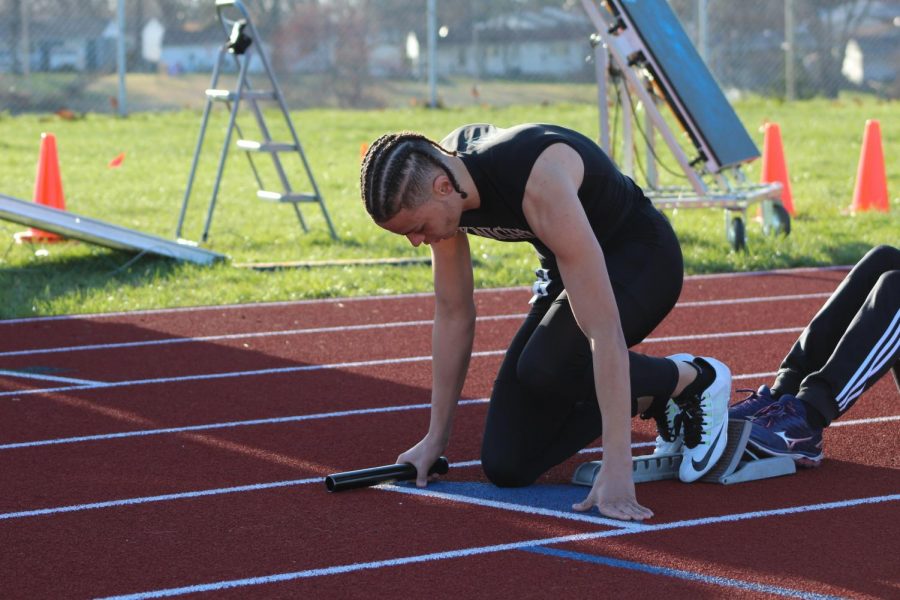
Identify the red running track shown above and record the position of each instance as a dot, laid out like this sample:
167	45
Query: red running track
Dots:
165	453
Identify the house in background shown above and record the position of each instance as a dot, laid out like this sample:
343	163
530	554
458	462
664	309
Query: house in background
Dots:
194	49
872	57
549	43
81	44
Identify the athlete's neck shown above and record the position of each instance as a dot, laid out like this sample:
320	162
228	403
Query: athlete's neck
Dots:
466	183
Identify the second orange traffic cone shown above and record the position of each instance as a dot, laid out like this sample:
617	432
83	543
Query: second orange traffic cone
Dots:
870	192
47	190
774	167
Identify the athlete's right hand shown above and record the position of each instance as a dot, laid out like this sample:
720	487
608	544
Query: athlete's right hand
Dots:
422	456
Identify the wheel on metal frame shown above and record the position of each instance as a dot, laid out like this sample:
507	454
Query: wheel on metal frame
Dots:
779	221
737	234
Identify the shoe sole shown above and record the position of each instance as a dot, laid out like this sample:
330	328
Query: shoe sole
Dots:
809	462
720	386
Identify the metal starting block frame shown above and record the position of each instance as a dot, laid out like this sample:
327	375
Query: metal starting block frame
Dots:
737	465
640	48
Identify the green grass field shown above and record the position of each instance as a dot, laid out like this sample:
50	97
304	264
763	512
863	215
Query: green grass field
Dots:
821	138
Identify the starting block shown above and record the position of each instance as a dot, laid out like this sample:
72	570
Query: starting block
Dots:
737	464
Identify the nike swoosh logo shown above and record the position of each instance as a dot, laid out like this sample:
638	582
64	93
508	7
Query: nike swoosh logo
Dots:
699	466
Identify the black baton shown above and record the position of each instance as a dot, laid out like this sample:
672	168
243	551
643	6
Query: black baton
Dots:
349	480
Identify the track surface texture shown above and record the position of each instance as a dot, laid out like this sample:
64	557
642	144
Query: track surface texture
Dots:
182	453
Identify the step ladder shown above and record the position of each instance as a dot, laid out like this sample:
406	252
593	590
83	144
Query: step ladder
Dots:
243	42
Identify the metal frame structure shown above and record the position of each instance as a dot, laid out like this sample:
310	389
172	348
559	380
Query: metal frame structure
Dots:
243	42
623	59
93	231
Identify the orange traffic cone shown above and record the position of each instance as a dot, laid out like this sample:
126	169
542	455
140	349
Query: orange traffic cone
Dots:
363	149
871	181
47	190
774	167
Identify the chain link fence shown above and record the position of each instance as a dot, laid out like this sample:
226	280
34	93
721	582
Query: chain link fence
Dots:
74	55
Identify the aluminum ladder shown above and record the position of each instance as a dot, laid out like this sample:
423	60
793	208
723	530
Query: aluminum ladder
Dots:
243	42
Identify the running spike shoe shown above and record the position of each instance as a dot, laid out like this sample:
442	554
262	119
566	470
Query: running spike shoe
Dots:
752	404
704	422
782	430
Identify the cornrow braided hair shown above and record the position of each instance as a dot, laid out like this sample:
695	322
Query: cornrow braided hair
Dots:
396	173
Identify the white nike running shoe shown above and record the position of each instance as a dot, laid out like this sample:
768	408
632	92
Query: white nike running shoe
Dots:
704	422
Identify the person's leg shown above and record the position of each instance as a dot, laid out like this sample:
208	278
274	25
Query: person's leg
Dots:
817	342
793	425
896	371
543	407
868	349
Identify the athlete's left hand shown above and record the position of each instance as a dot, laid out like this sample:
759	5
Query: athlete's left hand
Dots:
614	496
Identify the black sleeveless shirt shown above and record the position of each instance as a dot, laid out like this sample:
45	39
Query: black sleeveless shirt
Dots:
500	162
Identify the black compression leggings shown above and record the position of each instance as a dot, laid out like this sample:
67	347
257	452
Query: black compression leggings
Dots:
543	406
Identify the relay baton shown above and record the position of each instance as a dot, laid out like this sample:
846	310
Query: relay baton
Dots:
350	480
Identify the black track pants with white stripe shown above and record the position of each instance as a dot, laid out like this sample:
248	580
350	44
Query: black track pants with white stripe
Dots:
852	341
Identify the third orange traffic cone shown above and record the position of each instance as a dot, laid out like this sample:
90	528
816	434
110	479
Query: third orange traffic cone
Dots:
774	167
47	189
870	192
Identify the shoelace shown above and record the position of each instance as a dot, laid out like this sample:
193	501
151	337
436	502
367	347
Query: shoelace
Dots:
692	419
753	395
661	418
774	412
662	426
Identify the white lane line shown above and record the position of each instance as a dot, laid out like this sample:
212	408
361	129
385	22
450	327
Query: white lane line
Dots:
265	305
239	336
329	415
229	424
348	328
869	421
307	481
234	374
729	301
369	363
715	336
161	498
481	550
514	289
218	491
570	515
43	377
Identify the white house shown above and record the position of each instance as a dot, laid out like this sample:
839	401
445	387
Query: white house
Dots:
193	50
551	42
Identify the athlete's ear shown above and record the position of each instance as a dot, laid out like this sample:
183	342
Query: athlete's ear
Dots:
442	185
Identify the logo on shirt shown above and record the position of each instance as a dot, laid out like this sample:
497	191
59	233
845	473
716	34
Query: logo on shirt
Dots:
499	233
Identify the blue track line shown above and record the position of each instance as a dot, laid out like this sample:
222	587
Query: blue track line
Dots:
678	573
481	550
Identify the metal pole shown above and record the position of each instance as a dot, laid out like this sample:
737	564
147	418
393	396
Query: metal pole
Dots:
703	29
601	66
120	56
790	81
432	53
25	41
